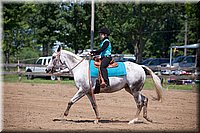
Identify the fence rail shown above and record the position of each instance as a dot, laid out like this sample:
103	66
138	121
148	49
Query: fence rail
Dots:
37	74
21	65
20	71
159	68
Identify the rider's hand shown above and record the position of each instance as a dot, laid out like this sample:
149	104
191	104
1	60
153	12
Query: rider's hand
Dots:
93	53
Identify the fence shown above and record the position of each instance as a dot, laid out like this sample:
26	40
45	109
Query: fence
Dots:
180	78
173	68
18	69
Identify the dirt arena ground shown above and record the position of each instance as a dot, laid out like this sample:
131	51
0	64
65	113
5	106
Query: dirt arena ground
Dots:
39	107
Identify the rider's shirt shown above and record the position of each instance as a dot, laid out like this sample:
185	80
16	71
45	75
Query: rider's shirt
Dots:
107	50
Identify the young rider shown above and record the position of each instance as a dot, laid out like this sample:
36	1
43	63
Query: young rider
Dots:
105	53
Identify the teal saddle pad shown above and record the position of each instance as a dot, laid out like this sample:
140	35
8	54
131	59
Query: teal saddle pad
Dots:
112	72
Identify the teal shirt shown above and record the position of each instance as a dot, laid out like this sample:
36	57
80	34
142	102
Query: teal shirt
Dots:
107	51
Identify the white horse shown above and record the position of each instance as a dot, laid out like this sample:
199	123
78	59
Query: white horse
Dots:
133	82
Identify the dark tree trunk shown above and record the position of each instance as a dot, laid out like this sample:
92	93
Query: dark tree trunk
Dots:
45	49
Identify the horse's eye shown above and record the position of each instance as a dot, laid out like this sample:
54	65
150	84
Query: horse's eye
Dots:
53	57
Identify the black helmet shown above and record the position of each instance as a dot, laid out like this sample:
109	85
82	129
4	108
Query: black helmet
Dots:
105	31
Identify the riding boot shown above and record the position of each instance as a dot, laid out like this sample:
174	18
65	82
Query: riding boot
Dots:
97	87
103	68
103	84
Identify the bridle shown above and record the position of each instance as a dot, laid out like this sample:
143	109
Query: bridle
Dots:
63	63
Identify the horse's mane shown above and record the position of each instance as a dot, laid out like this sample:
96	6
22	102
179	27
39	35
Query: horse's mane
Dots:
71	54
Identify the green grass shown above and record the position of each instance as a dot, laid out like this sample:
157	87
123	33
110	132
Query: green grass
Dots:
148	83
15	79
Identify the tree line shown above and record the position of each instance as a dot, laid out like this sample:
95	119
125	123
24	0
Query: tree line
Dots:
146	30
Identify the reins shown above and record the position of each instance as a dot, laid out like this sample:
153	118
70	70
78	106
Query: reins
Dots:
70	69
77	64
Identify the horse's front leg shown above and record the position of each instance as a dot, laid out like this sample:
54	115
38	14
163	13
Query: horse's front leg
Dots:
94	105
79	94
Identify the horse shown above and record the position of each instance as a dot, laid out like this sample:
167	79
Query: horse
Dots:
132	82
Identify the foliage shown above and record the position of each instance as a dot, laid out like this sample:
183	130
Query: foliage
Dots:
146	30
28	55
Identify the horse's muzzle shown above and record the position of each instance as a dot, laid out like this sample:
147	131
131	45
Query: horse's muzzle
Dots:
47	70
52	70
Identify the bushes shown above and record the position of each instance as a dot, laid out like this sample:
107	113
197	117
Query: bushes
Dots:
28	55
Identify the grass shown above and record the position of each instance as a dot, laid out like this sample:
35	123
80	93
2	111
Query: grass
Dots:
148	83
15	79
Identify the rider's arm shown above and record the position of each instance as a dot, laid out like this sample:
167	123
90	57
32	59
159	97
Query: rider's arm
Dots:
105	45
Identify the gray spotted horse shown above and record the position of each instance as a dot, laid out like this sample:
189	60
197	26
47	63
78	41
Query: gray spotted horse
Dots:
131	79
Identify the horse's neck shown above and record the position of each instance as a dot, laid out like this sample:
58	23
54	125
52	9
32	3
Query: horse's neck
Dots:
71	59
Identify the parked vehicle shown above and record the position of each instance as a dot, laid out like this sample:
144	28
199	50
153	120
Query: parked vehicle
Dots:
181	61
154	63
175	62
44	61
39	71
188	61
124	58
157	61
130	58
146	61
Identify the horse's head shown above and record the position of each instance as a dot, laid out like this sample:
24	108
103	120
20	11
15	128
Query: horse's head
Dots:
55	61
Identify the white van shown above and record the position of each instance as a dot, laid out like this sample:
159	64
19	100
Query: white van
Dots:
42	63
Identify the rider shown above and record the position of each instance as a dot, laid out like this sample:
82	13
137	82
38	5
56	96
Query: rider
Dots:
105	53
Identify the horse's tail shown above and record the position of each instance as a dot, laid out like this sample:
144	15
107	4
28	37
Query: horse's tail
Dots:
156	81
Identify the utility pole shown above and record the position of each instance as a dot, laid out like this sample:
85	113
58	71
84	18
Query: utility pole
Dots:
186	26
92	26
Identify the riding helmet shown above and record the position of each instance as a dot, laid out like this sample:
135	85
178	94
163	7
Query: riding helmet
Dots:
105	31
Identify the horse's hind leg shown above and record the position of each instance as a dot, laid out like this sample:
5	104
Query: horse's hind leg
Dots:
141	102
138	99
145	110
79	94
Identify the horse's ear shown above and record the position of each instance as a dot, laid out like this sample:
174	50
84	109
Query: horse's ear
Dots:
59	48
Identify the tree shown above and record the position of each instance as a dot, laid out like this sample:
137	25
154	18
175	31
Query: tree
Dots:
74	25
45	26
15	28
146	30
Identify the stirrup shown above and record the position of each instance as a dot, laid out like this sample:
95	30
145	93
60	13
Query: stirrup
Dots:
103	85
107	86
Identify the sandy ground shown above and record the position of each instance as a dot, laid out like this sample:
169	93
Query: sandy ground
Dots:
39	107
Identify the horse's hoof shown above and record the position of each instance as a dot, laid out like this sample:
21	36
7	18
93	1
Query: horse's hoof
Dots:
96	121
131	122
134	121
65	114
149	120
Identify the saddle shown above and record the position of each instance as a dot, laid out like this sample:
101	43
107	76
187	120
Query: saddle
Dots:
97	63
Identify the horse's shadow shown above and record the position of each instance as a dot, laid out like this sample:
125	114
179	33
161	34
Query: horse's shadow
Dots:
100	121
89	121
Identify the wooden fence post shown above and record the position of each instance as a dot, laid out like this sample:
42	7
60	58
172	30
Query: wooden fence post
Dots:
19	71
59	85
